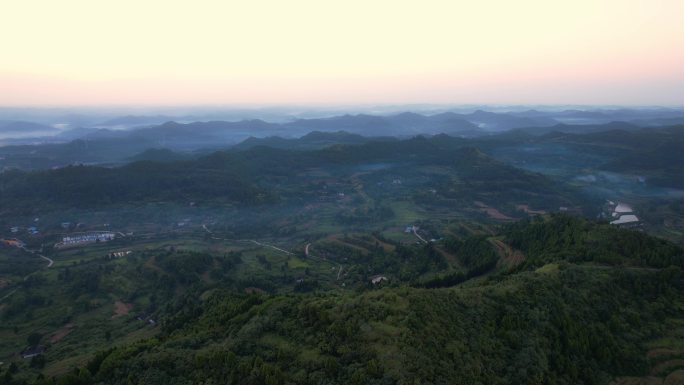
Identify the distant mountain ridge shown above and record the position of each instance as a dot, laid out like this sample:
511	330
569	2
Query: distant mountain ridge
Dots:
23	127
312	140
106	146
192	130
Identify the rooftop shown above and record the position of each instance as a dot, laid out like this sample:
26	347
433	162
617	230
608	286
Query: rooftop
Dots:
625	219
623	208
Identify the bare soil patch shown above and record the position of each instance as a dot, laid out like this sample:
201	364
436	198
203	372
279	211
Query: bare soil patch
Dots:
509	257
121	308
675	378
665	366
61	333
637	381
492	212
662	352
528	210
254	290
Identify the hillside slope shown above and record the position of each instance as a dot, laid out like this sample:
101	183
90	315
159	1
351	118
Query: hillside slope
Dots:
572	319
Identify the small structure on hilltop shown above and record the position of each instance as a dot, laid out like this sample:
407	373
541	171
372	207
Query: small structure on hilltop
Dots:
33	351
378	279
623	208
119	254
624	220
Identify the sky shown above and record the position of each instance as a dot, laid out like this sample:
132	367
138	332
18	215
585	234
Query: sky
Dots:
257	52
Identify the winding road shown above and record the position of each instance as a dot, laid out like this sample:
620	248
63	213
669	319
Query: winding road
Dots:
49	261
307	254
419	237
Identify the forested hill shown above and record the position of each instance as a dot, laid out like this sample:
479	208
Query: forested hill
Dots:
254	176
564	318
657	154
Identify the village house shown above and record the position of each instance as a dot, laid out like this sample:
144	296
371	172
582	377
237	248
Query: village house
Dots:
33	351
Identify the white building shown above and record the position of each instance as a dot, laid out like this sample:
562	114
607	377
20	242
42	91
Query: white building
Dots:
89	237
622	208
626	219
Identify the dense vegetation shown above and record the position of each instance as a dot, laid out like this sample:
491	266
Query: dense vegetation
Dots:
576	240
558	318
265	175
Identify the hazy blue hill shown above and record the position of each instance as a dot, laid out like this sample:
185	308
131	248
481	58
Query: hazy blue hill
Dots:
232	176
626	135
203	134
159	155
403	124
319	136
22	127
212	128
639	116
270	141
310	141
656	122
455	124
653	153
359	124
658	156
313	134
411	122
409	118
139	120
582	128
499	122
90	133
580	114
106	150
532	113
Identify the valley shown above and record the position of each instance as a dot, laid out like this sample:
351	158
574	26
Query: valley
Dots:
350	256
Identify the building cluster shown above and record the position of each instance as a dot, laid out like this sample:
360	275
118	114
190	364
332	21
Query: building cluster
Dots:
622	215
33	230
87	237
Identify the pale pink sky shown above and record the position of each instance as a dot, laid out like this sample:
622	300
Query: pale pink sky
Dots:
89	52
